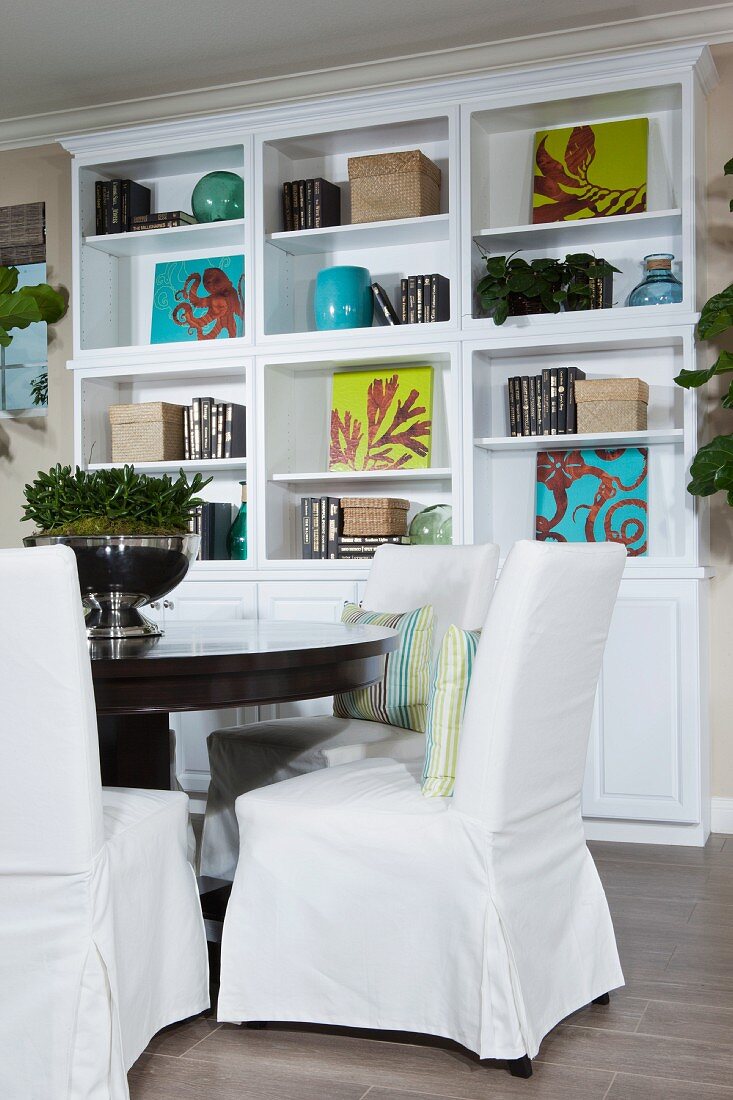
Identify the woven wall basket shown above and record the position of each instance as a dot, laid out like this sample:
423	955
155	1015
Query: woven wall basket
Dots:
375	515
151	431
612	404
393	185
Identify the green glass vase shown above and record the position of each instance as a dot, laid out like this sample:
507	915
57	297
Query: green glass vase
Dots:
218	197
237	537
427	527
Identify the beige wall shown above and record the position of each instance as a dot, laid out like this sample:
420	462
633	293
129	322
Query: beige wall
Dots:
30	175
718	420
26	446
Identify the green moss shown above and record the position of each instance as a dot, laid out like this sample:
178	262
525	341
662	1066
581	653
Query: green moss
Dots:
101	525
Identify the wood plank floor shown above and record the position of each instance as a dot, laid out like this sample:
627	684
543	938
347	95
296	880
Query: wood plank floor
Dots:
668	1035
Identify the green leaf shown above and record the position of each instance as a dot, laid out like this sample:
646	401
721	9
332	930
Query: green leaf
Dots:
691	379
716	315
712	467
521	283
18	310
501	312
50	303
496	266
8	279
727	401
728	167
5	338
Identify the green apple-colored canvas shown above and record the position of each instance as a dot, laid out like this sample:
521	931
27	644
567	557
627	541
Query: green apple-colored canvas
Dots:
381	419
592	171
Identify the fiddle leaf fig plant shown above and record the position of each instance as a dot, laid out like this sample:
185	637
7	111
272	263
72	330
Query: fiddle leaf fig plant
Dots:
711	470
22	306
118	501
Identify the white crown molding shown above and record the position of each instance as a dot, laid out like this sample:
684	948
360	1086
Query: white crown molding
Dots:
700	25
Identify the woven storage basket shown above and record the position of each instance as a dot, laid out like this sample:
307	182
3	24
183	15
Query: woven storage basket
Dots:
612	405
151	431
393	185
375	515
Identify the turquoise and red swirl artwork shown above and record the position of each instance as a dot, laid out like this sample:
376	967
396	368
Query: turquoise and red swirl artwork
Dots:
594	496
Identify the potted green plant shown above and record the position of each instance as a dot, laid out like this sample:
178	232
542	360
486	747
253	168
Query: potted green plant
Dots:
711	470
23	306
513	286
129	533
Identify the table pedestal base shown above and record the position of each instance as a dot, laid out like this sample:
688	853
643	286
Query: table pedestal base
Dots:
135	751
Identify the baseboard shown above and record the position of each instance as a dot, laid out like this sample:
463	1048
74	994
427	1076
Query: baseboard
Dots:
721	819
646	832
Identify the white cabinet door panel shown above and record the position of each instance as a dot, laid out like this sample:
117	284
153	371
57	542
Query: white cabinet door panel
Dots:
206	601
643	759
309	601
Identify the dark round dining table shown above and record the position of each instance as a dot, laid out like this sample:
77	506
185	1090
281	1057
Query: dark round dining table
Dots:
207	666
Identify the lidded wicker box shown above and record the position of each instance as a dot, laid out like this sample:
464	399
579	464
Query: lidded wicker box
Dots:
393	185
612	404
375	515
151	431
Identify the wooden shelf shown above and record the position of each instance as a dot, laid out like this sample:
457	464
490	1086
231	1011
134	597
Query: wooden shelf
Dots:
203	465
356	476
215	235
402	231
607	440
589	231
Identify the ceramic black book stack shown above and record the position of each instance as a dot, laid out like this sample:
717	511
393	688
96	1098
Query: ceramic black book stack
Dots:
311	204
321	523
212	522
543	404
214	429
117	202
424	298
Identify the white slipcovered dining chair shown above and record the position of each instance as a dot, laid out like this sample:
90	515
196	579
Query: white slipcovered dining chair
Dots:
101	934
481	918
456	580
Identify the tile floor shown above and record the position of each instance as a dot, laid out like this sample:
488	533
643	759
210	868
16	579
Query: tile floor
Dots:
667	1036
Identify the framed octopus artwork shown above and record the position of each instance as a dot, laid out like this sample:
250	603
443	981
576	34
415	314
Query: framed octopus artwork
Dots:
594	496
198	300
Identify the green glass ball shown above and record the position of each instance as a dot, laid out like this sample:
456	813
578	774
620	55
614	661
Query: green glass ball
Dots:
218	197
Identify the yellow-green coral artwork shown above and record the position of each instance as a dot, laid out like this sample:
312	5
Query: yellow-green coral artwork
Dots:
591	171
381	420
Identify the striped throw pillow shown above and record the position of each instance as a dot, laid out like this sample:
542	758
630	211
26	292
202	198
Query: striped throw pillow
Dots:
447	702
401	698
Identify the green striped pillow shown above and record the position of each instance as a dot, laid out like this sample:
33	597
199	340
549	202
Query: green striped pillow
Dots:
401	697
447	702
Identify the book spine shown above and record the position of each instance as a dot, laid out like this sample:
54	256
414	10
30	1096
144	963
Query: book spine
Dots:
196	422
186	432
305	527
164	216
439	298
573	374
124	205
301	204
221	416
512	411
316	526
433	298
99	222
403	301
372	540
411	299
553	402
538	400
419	308
524	392
228	415
214	448
164	223
562	400
287	207
386	308
517	402
334	526
114	207
323	523
205	427
532	398
545	384
309	213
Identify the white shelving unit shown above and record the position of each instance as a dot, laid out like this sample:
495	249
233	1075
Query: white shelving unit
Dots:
647	770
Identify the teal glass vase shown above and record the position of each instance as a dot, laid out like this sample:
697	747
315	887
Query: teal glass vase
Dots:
218	197
659	286
343	298
237	537
432	526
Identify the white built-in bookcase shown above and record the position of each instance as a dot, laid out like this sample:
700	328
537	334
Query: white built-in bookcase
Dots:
479	130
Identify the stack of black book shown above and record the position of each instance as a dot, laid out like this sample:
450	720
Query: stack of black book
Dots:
214	429
162	219
212	522
544	404
424	298
321	525
311	204
117	202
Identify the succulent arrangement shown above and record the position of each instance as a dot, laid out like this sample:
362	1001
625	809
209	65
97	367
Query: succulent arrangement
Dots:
110	502
513	285
711	470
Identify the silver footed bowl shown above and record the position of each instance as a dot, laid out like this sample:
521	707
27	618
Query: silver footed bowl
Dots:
119	574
